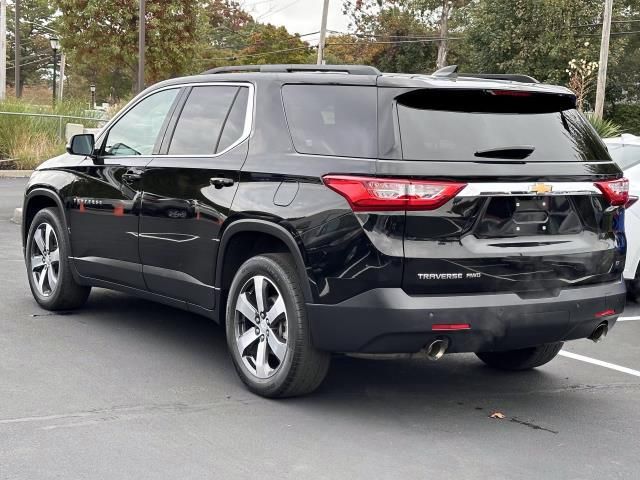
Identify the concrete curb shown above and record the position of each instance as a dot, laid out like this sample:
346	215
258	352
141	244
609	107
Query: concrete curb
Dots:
15	173
17	216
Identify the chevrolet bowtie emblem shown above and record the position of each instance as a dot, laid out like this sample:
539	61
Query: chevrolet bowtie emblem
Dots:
541	188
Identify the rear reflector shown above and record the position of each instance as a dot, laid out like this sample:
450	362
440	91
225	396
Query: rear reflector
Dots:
448	327
615	191
366	194
605	313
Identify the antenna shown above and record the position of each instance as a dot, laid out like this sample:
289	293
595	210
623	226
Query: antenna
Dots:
447	72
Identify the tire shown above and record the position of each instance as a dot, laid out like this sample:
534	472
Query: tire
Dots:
272	353
524	359
48	269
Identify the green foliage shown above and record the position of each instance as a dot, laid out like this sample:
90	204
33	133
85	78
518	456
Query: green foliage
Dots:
401	38
103	42
605	128
36	17
627	116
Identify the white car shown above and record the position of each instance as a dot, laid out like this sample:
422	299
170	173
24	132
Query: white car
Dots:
625	150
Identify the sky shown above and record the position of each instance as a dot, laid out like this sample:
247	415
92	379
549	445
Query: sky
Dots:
299	16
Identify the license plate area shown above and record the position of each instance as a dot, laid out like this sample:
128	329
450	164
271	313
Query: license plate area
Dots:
528	216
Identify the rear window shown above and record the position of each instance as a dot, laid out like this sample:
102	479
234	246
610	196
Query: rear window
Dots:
485	125
335	120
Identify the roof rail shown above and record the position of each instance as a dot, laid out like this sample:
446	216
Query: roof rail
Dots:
346	69
512	77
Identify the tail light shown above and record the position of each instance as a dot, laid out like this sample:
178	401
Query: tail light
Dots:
388	194
615	191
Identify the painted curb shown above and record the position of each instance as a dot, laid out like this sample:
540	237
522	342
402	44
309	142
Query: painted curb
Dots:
17	216
15	173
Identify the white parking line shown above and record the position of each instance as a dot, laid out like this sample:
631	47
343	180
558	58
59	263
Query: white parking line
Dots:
594	361
628	319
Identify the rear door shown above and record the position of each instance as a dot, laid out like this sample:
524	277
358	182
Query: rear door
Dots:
531	202
189	188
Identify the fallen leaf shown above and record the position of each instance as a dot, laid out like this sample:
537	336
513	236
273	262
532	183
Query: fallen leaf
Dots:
498	415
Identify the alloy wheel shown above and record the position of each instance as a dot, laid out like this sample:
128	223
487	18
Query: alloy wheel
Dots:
45	259
261	327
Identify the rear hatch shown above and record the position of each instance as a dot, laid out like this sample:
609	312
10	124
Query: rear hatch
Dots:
530	201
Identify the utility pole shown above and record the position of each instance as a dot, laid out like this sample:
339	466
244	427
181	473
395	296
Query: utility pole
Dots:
443	47
604	58
18	50
141	44
323	32
63	63
3	49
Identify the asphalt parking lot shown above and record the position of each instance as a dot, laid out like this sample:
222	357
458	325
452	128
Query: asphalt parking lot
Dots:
129	389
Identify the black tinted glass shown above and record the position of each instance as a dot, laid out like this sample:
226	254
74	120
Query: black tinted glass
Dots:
201	120
234	126
137	131
527	130
332	120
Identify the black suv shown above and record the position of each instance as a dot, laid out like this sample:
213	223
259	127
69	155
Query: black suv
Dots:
318	209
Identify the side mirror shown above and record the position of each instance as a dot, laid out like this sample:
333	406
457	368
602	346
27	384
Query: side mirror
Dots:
83	144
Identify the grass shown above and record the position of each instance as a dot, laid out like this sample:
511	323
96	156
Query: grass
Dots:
28	141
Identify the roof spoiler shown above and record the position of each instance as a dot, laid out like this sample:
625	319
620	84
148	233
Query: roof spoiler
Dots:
511	77
294	68
451	71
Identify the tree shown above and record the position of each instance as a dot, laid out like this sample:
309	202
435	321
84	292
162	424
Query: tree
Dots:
443	10
271	44
406	40
102	41
538	38
35	29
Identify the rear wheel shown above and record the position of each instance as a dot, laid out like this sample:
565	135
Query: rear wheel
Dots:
268	332
524	359
47	259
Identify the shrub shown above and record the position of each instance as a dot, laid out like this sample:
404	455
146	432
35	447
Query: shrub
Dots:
605	128
28	141
627	116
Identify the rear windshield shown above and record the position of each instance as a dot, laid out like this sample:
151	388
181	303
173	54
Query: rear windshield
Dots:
484	125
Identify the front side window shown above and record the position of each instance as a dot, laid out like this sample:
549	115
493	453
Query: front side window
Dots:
137	131
212	120
334	120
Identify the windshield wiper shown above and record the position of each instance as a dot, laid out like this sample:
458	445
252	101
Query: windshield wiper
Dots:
516	152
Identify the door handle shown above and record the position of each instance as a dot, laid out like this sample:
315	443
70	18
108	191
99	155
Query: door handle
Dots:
132	176
220	182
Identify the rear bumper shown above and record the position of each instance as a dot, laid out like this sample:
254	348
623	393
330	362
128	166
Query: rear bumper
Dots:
388	320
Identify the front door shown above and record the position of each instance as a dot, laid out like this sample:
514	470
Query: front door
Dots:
105	208
189	188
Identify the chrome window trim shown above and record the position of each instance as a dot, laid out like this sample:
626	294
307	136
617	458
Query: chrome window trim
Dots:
246	132
523	189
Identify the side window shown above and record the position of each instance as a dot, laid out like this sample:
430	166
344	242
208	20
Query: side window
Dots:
234	127
137	131
208	118
332	119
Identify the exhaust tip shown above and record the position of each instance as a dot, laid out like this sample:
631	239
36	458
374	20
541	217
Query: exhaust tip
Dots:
436	349
599	333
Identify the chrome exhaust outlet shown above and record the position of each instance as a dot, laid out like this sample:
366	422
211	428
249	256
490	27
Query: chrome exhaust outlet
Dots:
600	332
436	349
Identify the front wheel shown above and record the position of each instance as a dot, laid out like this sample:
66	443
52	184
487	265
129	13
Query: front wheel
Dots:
524	359
268	332
48	267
